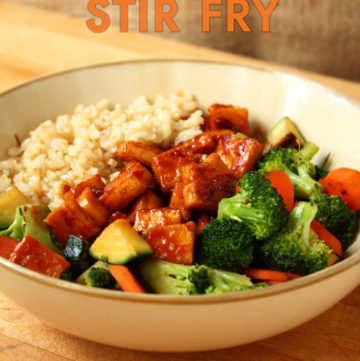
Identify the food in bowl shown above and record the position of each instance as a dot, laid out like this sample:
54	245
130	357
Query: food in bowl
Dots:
108	198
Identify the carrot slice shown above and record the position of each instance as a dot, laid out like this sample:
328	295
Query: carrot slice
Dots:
125	279
282	183
7	246
345	183
270	275
327	237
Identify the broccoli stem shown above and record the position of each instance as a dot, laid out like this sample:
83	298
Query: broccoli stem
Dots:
304	185
309	150
301	218
241	211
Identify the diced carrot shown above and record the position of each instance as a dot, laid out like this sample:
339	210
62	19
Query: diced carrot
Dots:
125	279
345	183
270	275
327	237
7	246
282	183
33	255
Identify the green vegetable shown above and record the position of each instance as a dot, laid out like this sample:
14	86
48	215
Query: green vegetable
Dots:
296	165
285	133
296	248
178	279
225	244
76	252
320	172
29	220
119	243
334	215
8	204
257	204
97	275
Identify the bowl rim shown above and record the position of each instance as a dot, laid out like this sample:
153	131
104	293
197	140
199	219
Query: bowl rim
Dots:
305	281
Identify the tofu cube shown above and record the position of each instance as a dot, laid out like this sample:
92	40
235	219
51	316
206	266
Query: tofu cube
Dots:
148	200
69	219
205	185
177	201
239	154
137	151
93	207
127	186
147	218
173	243
229	117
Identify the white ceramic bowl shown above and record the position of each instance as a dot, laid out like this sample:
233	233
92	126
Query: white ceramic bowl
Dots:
165	323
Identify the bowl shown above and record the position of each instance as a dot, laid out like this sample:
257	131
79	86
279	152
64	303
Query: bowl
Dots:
185	323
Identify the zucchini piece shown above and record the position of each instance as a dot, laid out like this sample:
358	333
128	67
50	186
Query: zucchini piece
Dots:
8	204
76	253
119	243
97	275
286	134
30	220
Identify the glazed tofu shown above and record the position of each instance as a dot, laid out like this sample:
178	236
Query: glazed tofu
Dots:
202	221
127	186
239	154
167	167
228	117
205	185
177	201
148	200
173	243
93	207
147	218
137	151
95	183
69	219
215	160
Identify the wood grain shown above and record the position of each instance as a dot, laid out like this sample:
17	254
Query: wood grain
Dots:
38	42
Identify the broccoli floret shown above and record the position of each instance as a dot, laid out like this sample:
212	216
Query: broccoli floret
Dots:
335	215
178	279
320	172
296	248
257	204
225	244
297	166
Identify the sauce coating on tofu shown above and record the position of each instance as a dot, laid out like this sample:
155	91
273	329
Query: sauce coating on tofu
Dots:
240	155
205	185
33	255
70	219
227	116
137	151
147	218
148	200
177	201
173	243
127	186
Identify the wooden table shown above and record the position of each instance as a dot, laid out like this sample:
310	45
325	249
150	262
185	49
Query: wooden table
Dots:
35	42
